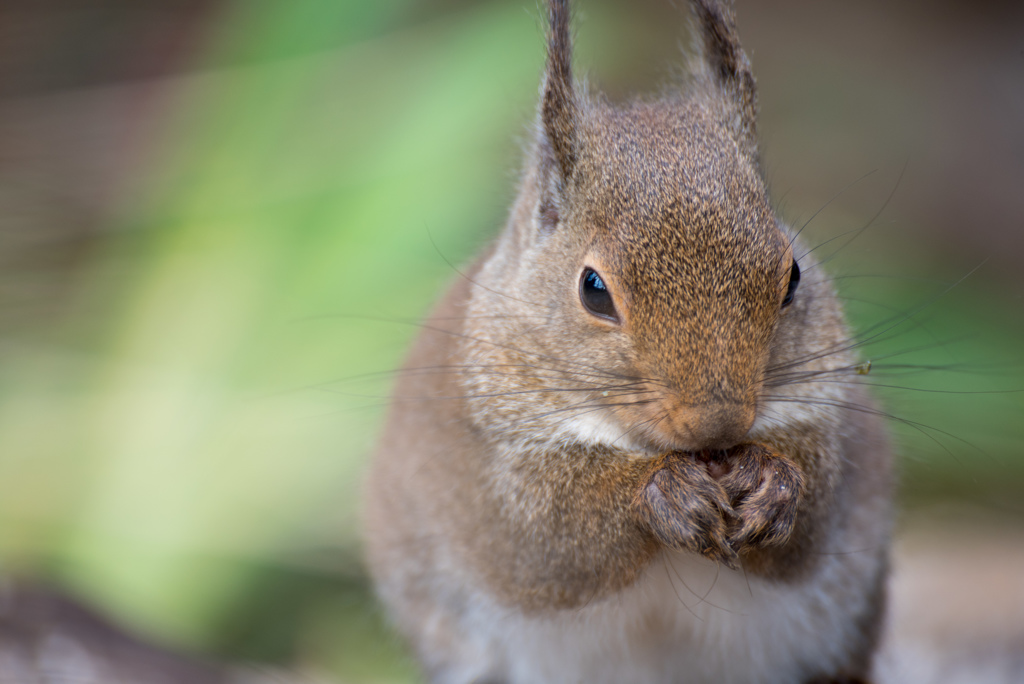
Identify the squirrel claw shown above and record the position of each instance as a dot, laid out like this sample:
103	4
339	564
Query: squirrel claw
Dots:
687	510
763	488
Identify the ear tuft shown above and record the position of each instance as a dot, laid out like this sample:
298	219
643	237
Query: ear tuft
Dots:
728	64
559	109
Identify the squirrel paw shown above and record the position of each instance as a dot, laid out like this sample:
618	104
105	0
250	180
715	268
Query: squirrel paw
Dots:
687	510
763	488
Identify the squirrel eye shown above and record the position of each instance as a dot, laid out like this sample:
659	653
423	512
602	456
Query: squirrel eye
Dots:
595	296
794	280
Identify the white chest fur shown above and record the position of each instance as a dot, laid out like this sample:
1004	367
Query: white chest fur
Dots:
686	620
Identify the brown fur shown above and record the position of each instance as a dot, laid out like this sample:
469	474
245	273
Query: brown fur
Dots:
481	488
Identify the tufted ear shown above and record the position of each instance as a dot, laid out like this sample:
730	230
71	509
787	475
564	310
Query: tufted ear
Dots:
726	63
559	110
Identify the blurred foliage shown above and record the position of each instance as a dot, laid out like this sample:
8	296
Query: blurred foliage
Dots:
185	445
174	449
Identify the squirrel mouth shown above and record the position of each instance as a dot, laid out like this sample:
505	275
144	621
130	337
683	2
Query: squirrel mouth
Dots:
718	462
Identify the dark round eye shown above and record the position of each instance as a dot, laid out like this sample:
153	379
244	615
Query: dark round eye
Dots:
794	280
595	296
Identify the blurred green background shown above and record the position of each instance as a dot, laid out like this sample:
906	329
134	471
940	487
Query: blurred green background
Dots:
219	222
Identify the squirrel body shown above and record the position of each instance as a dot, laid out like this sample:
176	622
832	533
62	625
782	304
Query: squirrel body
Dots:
625	446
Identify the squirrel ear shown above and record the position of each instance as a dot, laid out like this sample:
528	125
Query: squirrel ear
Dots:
559	111
724	57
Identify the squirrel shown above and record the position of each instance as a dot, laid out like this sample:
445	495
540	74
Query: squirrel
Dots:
627	445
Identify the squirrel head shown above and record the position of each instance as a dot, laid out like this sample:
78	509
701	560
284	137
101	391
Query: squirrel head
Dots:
644	277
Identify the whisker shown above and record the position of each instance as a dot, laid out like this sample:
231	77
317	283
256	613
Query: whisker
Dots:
860	340
861	230
643	424
908	388
460	335
869	410
668	575
466	277
828	202
495	395
704	598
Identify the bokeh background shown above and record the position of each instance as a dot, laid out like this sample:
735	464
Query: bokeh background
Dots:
220	221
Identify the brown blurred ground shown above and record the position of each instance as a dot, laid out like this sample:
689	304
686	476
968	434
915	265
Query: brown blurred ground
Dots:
957	608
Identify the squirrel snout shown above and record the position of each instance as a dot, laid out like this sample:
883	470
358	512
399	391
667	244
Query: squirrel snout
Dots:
708	426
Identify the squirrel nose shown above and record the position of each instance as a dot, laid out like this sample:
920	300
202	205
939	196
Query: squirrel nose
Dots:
710	426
